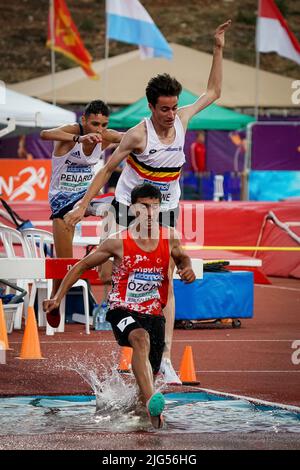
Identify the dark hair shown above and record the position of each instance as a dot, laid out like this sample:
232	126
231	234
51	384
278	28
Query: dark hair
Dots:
162	85
145	190
97	107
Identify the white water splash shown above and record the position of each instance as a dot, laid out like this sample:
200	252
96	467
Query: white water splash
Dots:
117	398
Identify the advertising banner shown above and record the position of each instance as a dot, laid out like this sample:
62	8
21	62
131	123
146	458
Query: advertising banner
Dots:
23	180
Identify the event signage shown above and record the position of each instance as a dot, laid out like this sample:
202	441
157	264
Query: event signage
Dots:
23	180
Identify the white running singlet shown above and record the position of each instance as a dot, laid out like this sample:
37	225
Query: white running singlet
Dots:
159	164
71	175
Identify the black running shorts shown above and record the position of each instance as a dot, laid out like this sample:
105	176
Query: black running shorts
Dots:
123	322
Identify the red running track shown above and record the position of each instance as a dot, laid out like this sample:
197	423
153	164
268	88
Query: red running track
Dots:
255	360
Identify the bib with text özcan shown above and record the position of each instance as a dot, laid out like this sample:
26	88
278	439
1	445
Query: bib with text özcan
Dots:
143	286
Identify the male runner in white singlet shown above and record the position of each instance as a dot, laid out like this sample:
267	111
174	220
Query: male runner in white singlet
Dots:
155	153
77	150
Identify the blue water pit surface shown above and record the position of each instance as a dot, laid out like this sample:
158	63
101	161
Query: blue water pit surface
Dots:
198	412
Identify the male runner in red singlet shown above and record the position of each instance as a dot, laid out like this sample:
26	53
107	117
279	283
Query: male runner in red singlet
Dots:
139	292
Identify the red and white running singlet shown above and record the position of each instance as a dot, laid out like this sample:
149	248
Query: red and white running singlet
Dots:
140	283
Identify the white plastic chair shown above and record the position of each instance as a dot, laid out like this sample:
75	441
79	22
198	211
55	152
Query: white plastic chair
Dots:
36	240
12	238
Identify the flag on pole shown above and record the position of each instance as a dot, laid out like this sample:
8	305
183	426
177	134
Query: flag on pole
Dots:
128	21
273	33
67	39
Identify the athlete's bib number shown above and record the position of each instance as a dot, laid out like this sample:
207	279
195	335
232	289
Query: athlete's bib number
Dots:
142	287
75	178
166	190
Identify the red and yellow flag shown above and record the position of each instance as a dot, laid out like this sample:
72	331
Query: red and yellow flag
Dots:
67	39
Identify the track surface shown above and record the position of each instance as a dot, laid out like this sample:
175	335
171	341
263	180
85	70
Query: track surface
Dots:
254	361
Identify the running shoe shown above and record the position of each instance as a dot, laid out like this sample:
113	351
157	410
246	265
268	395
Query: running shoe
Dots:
169	375
53	318
155	406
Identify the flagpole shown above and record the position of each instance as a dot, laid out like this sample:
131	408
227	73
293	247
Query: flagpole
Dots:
106	55
52	32
257	85
257	66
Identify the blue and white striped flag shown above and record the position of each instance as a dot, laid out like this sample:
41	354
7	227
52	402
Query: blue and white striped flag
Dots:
128	21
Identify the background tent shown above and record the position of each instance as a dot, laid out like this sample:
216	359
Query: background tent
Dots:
127	76
213	117
30	112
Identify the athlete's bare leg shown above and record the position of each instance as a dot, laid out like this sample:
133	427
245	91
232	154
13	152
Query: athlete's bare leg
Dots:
166	369
141	367
63	243
169	314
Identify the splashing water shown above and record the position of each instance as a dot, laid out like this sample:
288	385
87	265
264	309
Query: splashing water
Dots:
117	397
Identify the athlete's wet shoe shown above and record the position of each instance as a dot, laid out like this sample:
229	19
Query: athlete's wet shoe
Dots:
167	371
155	406
53	318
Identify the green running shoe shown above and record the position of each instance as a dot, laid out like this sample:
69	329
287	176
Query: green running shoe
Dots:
156	404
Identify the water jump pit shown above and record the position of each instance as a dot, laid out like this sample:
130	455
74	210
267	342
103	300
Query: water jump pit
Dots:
190	412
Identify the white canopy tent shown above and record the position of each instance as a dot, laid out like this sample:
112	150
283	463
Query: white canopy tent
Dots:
17	109
123	79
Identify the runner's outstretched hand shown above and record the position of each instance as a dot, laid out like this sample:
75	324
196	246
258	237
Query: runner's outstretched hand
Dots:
49	305
220	34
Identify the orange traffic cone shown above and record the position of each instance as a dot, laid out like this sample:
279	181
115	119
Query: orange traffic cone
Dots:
125	360
3	330
187	369
30	348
